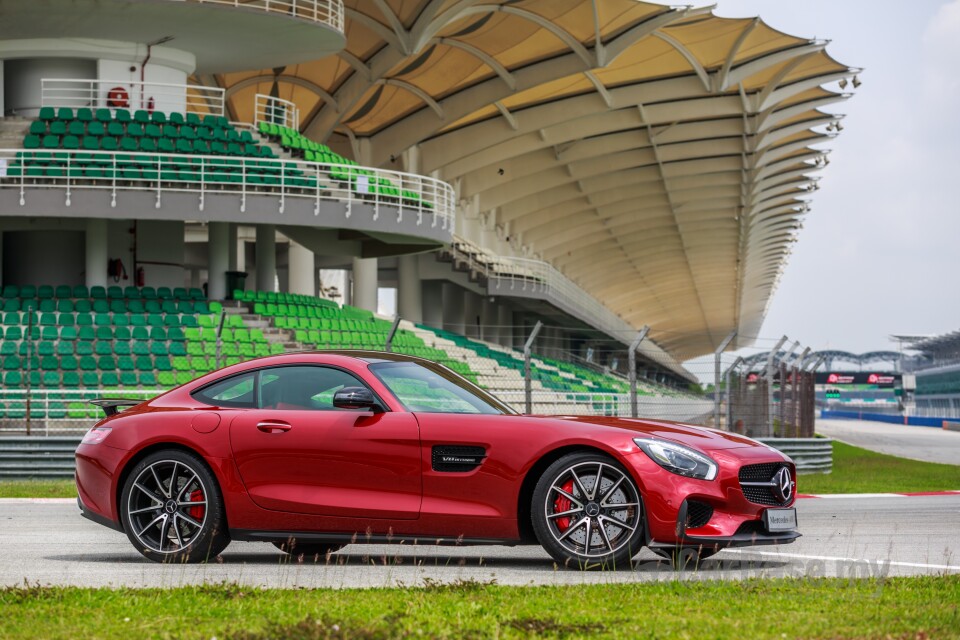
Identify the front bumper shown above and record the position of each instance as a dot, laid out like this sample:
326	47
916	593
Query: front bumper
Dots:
734	521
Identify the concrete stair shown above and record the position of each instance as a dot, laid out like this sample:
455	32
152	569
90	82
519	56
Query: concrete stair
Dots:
12	132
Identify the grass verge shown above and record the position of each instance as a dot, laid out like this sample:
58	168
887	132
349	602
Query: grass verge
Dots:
921	607
38	489
857	470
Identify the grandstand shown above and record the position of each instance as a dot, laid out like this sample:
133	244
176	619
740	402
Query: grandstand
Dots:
936	365
597	167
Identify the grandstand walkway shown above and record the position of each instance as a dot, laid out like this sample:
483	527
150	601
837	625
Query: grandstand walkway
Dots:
928	444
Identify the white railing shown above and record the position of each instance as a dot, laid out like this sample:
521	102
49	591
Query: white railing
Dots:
429	200
518	276
610	404
116	94
328	12
58	411
275	111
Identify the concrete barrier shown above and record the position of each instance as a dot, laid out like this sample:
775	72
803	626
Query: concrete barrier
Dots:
811	455
36	457
951	426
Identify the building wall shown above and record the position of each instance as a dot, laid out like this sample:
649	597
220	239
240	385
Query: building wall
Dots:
160	252
52	257
21	79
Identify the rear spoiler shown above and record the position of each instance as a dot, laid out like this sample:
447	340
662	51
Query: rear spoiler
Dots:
110	405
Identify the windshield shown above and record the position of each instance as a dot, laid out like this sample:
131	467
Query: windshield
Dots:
435	389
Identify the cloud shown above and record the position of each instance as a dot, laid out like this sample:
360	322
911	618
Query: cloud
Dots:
941	52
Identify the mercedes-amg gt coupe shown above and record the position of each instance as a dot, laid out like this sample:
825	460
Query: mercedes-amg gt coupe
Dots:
316	450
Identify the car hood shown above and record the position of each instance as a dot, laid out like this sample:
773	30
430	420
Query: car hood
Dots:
699	437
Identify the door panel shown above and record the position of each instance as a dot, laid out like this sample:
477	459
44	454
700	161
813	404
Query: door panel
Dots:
336	463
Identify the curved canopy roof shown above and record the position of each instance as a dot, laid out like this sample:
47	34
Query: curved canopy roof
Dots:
845	356
658	156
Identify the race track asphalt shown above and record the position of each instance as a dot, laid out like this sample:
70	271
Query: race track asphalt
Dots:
917	443
50	543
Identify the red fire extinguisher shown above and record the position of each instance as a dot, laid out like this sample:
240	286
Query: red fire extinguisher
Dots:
140	276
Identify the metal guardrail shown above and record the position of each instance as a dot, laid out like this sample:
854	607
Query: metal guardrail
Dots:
131	95
207	176
37	457
328	12
275	111
811	455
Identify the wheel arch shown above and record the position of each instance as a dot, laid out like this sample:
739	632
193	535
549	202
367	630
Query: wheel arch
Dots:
525	497
153	448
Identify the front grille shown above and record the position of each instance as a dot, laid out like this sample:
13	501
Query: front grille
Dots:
698	514
760	473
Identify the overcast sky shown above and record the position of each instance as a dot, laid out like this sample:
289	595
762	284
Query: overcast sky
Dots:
880	250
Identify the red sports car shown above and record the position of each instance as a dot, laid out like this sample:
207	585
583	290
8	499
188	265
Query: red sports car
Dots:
313	451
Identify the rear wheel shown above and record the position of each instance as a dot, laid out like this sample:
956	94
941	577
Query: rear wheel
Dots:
587	513
172	509
309	550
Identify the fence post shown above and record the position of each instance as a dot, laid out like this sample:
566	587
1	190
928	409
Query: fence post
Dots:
728	376
30	358
388	346
223	316
632	370
716	377
527	381
768	372
798	390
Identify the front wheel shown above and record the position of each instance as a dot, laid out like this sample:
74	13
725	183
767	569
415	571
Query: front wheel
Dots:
172	509
587	512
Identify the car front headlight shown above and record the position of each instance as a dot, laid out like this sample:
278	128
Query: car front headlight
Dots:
678	459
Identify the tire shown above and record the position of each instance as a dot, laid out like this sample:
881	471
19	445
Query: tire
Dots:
188	525
307	549
568	512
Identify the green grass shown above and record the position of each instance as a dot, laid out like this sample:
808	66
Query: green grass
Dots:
923	607
857	470
38	489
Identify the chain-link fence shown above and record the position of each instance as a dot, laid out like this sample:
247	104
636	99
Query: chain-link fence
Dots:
544	369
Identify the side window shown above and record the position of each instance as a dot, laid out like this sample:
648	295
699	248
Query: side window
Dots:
235	391
303	387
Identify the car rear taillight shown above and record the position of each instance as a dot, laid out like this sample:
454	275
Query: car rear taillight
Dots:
95	435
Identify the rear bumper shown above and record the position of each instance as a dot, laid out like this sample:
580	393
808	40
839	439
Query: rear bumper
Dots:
93	516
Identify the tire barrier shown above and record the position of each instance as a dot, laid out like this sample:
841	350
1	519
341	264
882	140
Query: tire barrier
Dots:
811	455
37	457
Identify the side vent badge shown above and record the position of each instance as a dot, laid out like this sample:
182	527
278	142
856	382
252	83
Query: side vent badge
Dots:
457	457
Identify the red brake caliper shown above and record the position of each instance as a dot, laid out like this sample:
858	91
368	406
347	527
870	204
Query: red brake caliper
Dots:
561	504
197	512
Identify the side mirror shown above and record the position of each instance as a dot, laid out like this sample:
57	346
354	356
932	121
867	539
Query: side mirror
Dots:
355	398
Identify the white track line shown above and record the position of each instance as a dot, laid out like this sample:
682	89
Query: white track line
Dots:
800	556
38	501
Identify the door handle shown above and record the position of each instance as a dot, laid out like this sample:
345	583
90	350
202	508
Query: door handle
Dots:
274	426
